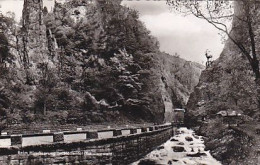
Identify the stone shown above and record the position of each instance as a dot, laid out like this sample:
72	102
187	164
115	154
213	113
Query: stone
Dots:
92	135
16	140
197	154
196	137
58	137
181	143
151	128
144	129
178	132
174	140
178	149
160	147
133	131
117	132
147	162
188	138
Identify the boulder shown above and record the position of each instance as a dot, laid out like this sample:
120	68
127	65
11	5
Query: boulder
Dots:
197	154
178	149
160	147
188	138
196	137
174	140
147	162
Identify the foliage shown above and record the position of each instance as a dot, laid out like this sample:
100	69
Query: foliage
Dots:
101	51
4	105
6	26
117	28
101	66
243	34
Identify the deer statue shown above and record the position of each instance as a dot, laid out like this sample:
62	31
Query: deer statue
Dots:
209	59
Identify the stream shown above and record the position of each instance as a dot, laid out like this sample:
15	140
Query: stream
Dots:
185	148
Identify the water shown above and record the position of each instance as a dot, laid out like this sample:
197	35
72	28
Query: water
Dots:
192	145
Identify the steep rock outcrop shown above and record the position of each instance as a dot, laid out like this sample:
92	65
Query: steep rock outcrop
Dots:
228	86
176	79
33	40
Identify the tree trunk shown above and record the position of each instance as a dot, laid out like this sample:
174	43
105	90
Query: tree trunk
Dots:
243	21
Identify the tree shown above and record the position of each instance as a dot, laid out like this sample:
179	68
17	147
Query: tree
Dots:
46	84
244	31
4	49
4	105
6	28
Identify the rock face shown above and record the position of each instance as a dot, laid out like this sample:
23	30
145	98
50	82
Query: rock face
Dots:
34	47
228	85
176	79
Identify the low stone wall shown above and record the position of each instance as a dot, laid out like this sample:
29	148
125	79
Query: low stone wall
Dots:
119	150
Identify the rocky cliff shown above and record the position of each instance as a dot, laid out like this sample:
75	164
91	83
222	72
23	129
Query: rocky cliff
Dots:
90	63
228	87
174	79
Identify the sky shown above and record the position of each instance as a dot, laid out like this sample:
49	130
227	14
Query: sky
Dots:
188	36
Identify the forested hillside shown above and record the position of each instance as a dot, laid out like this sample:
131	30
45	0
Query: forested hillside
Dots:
229	86
87	62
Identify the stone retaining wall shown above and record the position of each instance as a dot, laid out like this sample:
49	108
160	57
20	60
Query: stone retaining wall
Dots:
119	150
